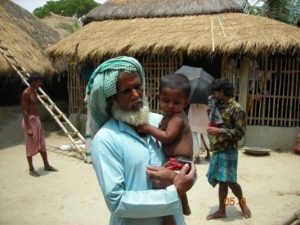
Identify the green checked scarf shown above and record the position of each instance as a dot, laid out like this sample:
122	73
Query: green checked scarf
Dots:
102	85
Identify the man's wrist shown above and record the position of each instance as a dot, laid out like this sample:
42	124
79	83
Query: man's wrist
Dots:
172	176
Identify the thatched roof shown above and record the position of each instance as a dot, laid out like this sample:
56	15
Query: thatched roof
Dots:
62	24
226	33
128	9
26	37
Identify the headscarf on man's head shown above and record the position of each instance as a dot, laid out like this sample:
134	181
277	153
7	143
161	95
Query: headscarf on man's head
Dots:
103	84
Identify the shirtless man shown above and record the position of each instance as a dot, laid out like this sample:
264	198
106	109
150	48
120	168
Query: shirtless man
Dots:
31	124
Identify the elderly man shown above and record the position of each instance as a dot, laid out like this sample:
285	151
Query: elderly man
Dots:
125	161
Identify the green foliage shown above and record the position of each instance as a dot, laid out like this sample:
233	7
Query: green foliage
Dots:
76	8
287	11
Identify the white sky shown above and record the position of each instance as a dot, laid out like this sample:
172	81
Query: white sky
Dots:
255	2
31	5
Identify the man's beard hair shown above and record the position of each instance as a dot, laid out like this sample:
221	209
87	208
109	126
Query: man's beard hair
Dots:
134	118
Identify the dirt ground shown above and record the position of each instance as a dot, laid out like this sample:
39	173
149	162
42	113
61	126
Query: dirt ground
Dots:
71	196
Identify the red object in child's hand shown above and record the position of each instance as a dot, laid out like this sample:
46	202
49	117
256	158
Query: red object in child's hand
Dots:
212	124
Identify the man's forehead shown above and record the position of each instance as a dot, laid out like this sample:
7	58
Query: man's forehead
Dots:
128	81
129	77
128	73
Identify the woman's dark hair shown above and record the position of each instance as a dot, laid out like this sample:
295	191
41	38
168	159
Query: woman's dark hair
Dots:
176	81
224	85
34	77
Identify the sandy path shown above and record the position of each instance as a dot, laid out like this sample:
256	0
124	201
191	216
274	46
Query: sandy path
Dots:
72	197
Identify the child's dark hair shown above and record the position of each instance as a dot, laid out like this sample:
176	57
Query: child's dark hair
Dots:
34	77
176	81
224	85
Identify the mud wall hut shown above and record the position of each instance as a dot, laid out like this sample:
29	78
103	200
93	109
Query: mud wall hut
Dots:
259	55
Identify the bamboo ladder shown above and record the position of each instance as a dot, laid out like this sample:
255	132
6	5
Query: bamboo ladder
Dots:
67	127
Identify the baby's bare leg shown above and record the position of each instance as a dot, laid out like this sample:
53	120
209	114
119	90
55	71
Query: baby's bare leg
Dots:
168	220
185	205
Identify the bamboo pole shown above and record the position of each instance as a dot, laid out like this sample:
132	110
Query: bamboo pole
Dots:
243	82
285	94
257	88
264	87
298	89
224	60
274	92
290	92
294	93
221	25
252	87
243	87
270	114
283	77
279	91
212	33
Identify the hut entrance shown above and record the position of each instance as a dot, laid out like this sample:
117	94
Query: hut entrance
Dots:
11	88
211	64
158	66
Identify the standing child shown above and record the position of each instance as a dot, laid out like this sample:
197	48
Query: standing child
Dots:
174	132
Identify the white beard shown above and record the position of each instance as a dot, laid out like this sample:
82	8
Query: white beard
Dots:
133	118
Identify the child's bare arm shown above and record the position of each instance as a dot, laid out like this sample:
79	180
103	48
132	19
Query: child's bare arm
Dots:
164	136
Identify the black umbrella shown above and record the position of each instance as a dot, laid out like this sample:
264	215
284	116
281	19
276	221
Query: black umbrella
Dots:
201	83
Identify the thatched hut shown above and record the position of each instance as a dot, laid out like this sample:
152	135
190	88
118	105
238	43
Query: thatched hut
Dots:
26	37
64	25
259	55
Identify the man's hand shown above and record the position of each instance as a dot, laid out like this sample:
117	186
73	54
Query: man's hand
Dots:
161	177
185	179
